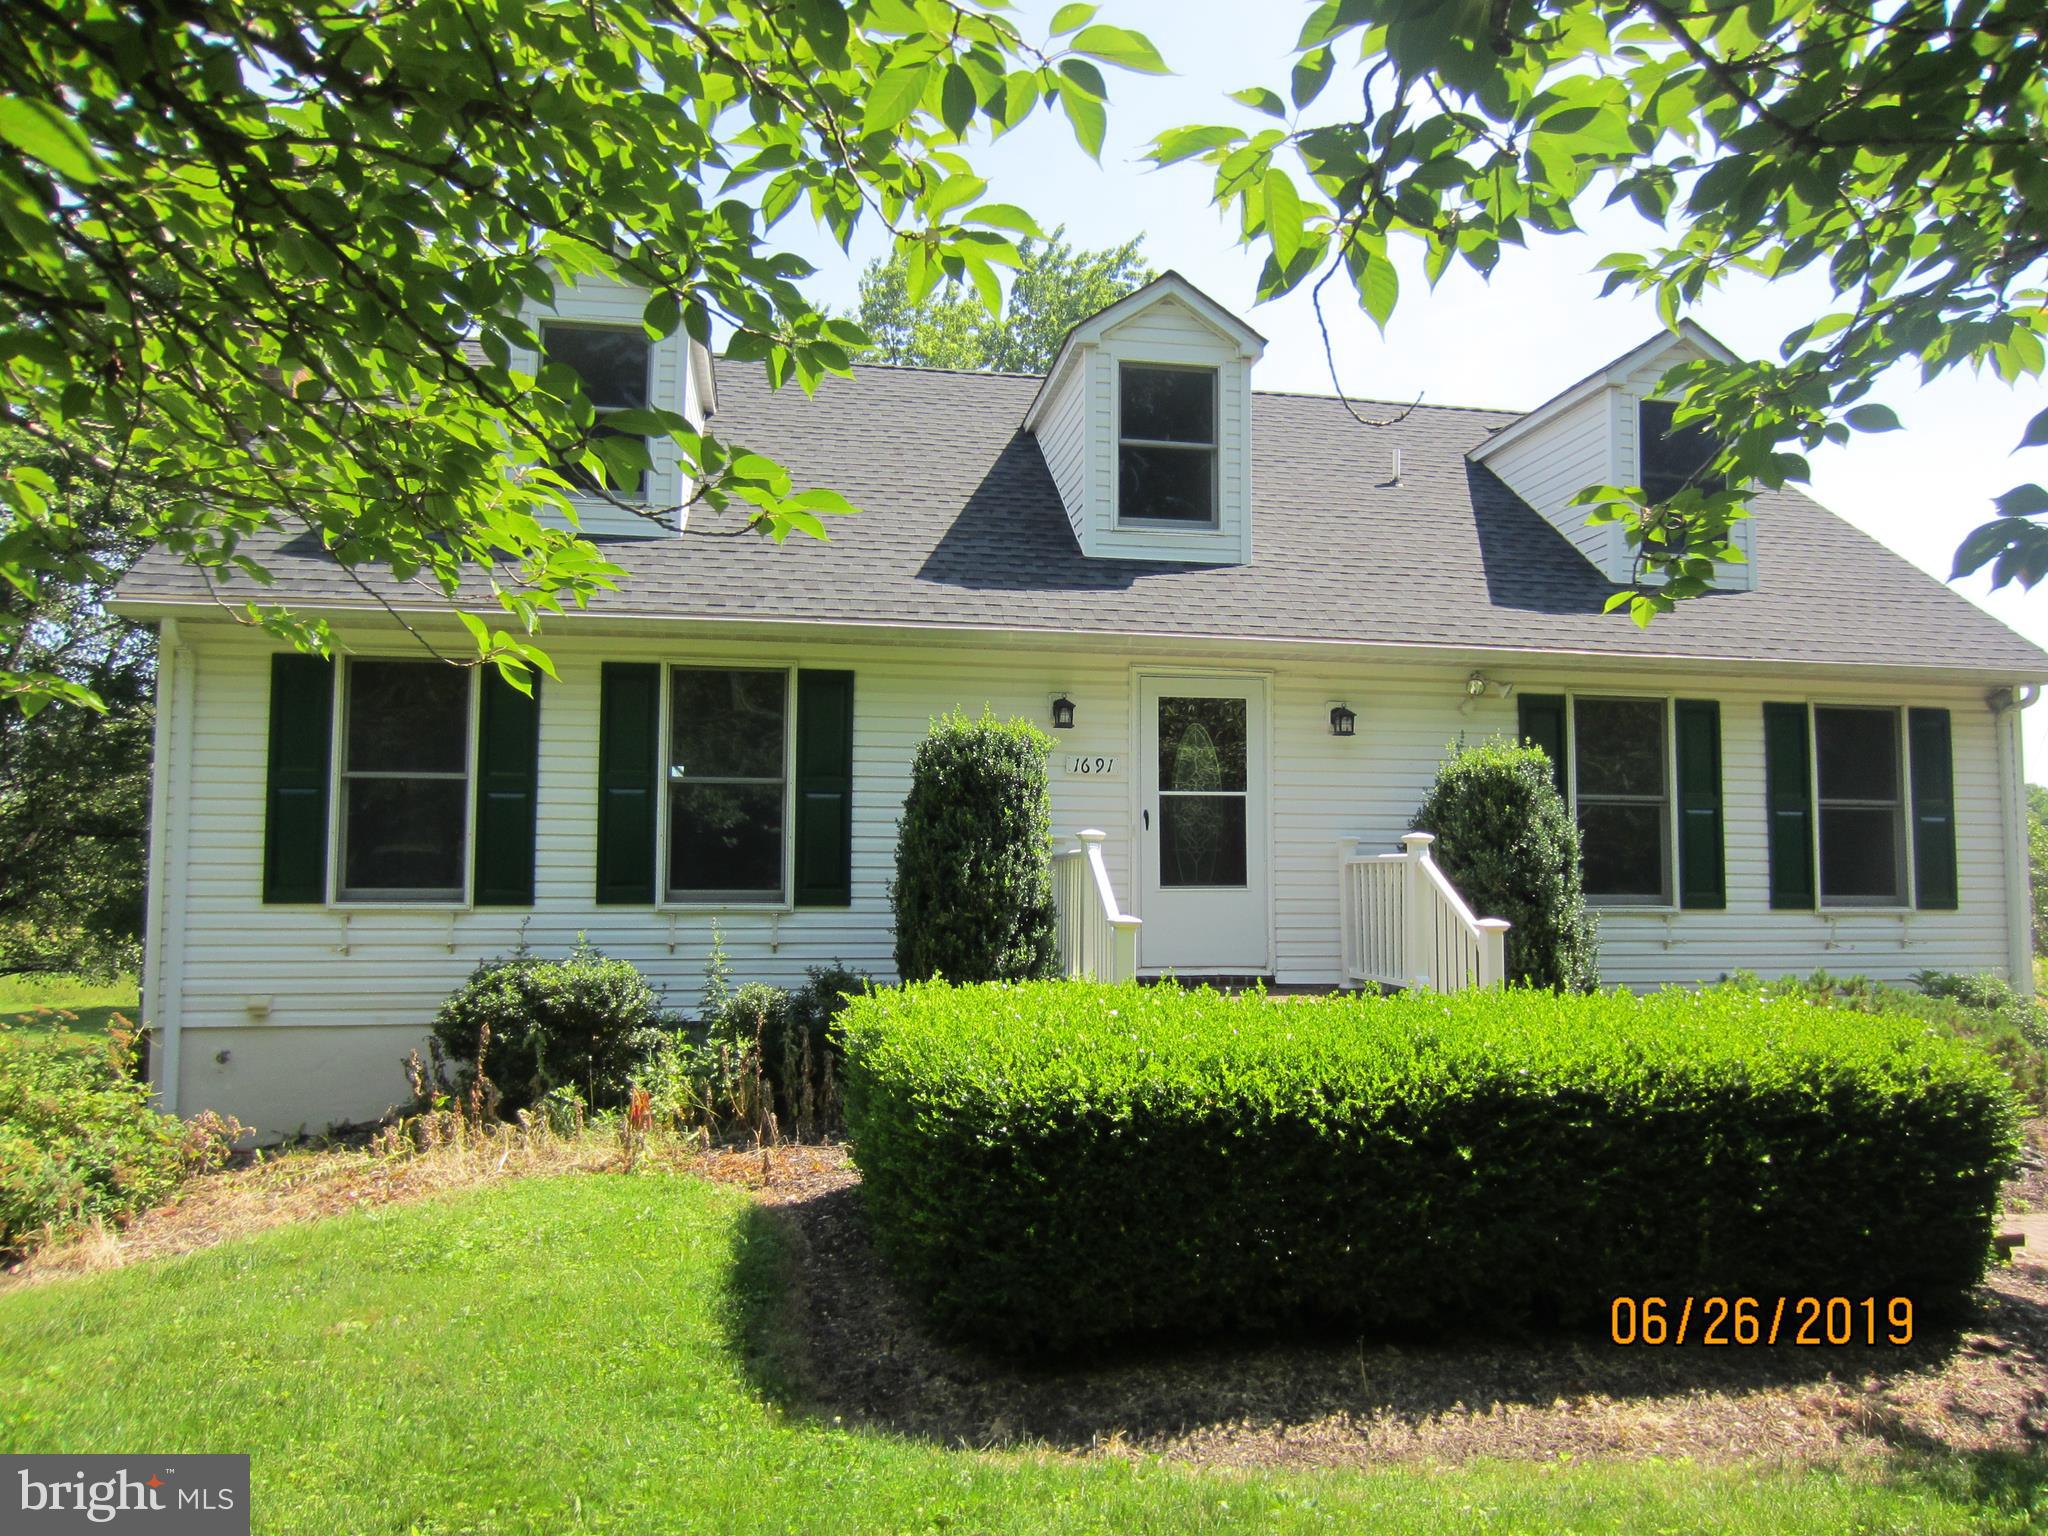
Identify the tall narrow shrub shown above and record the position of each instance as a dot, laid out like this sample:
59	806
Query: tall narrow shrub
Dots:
973	888
1506	840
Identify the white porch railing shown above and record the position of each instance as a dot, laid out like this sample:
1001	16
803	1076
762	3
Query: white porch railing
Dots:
1406	926
1098	939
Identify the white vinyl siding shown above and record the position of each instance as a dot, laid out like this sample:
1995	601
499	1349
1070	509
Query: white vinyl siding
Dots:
1549	468
315	1007
1063	440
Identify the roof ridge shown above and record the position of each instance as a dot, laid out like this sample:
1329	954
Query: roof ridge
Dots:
972	373
1417	404
1277	394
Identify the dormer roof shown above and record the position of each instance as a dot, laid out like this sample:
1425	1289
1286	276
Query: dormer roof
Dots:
1168	285
1687	341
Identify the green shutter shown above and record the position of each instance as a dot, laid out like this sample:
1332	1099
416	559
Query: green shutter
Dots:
295	785
627	750
824	789
1934	809
507	782
1788	803
1542	721
1701	881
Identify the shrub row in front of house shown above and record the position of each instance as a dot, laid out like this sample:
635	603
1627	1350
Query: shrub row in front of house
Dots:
1056	1164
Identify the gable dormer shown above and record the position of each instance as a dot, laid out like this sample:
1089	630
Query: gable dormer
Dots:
1611	428
1144	419
595	327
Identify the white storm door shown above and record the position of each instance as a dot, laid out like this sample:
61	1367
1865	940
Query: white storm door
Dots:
1202	825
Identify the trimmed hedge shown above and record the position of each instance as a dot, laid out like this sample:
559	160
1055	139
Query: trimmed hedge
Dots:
1507	841
973	890
1058	1164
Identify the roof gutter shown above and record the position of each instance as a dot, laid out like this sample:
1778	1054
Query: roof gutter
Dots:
2008	677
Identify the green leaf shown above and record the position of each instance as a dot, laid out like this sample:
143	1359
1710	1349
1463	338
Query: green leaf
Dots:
2036	433
1121	47
1872	418
1005	216
1086	115
1177	144
1283	214
1259	99
40	131
1086	76
954	192
1379	288
957	101
1069	18
895	96
1311	74
2023	501
986	285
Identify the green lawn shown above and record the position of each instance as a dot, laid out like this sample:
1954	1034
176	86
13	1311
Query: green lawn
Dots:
66	1003
584	1354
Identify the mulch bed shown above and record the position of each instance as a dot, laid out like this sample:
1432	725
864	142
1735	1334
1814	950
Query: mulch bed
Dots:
849	1346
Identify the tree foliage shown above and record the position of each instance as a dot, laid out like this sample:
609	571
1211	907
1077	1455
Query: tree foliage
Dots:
74	782
1899	151
1054	288
281	260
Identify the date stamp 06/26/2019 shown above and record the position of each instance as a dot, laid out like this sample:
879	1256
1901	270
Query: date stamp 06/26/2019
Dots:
1801	1321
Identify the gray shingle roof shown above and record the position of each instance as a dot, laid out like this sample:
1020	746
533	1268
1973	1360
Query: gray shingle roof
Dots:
962	527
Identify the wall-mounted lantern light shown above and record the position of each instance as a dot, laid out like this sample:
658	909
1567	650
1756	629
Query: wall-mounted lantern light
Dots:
1063	713
1343	721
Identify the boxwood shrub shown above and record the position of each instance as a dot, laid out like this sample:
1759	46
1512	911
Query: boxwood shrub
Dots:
1056	1164
973	890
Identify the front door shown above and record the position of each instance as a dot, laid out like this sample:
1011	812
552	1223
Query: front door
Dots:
1202	825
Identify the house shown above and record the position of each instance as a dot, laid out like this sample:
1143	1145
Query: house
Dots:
1257	620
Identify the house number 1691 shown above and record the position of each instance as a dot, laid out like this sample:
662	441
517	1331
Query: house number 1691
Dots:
1091	767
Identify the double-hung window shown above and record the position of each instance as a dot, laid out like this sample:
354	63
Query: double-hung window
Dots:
404	781
1862	805
1621	774
728	784
1166	449
611	362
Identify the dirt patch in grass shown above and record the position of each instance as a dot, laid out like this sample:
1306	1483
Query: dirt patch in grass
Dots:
848	1345
275	1189
2028	1190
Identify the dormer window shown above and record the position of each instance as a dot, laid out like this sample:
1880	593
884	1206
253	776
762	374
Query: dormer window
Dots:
1166	447
612	364
1145	424
1674	458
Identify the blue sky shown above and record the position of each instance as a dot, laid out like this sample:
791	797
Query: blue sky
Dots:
1513	341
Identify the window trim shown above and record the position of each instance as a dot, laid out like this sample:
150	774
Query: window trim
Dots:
1214	523
664	899
1908	874
337	799
645	495
1669	901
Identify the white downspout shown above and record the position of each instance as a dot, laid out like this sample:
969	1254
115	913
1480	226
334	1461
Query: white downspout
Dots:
159	1000
2006	705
